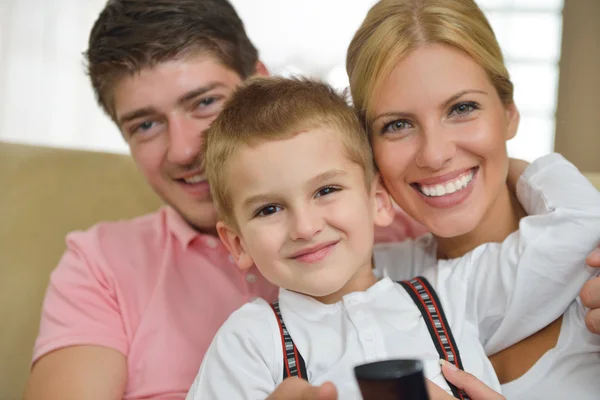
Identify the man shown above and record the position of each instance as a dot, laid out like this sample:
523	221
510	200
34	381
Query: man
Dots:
132	306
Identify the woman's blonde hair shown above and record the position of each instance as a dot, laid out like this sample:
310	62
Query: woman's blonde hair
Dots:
394	28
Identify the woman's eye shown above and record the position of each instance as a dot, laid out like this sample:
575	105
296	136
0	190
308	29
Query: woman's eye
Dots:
464	108
396	126
327	190
268	210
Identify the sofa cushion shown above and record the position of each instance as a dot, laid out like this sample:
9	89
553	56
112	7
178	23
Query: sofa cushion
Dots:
47	192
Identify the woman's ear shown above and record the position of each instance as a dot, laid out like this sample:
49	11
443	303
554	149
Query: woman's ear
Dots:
384	208
235	244
513	117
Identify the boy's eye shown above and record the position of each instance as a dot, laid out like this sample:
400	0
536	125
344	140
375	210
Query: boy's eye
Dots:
267	210
326	190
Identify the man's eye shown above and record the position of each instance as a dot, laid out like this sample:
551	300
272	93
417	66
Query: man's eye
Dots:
327	190
206	102
268	210
143	127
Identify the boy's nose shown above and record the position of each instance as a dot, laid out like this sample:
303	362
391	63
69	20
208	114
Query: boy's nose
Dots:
305	225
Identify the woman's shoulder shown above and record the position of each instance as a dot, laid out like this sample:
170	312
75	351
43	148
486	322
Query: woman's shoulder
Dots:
404	260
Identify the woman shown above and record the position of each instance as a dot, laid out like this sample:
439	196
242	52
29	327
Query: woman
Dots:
429	81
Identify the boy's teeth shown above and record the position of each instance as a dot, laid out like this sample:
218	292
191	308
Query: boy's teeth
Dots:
449	187
194	179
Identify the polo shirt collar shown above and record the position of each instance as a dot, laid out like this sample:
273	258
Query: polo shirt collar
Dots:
182	230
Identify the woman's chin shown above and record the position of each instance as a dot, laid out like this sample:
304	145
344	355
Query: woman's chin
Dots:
451	228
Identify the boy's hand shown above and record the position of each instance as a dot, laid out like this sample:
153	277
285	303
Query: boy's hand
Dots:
472	386
590	295
516	168
299	389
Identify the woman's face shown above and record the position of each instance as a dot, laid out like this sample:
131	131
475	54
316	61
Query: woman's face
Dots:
439	135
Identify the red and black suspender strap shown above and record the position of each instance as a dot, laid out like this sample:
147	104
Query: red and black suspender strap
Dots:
426	299
293	363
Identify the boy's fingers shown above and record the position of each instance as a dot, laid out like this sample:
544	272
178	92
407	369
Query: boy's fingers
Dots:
436	392
299	389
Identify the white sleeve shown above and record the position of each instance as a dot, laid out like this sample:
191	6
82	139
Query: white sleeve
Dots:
241	362
519	286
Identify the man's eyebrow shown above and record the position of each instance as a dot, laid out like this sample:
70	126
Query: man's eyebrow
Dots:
146	111
141	112
199	92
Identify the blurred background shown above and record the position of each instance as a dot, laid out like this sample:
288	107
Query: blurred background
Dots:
551	48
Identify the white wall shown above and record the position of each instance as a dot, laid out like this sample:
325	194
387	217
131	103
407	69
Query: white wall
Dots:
45	97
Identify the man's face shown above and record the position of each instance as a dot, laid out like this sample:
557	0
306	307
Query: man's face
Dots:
163	112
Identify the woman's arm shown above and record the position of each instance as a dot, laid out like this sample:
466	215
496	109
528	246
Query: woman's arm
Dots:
590	295
537	271
78	372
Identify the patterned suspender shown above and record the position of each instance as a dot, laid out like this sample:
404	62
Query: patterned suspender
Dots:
293	363
426	299
424	296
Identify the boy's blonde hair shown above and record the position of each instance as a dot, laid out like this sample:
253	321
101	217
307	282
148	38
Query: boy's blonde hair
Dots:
266	109
394	28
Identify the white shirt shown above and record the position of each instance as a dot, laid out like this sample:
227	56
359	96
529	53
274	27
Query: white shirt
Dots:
572	368
482	301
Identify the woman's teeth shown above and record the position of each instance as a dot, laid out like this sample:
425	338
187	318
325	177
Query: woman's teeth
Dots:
449	187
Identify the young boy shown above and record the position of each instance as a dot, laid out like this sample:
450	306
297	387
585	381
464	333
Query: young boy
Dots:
292	176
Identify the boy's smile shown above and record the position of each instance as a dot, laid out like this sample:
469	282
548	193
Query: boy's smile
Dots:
305	214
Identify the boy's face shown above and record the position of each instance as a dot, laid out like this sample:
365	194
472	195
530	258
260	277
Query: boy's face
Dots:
163	112
304	214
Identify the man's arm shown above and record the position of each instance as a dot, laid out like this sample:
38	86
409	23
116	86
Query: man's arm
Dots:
81	347
78	372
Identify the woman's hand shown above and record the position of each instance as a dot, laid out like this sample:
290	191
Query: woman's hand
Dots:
472	386
590	295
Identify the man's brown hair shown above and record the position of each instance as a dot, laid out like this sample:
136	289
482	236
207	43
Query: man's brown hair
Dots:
130	35
267	109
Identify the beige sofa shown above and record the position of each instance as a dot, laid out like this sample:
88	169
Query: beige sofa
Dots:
46	193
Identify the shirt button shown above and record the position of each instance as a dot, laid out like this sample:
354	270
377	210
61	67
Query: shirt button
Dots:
251	278
368	336
211	242
352	302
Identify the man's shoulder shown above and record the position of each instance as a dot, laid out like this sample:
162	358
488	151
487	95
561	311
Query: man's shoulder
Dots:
121	242
136	229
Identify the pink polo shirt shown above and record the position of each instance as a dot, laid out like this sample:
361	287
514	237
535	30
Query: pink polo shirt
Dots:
151	288
155	290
